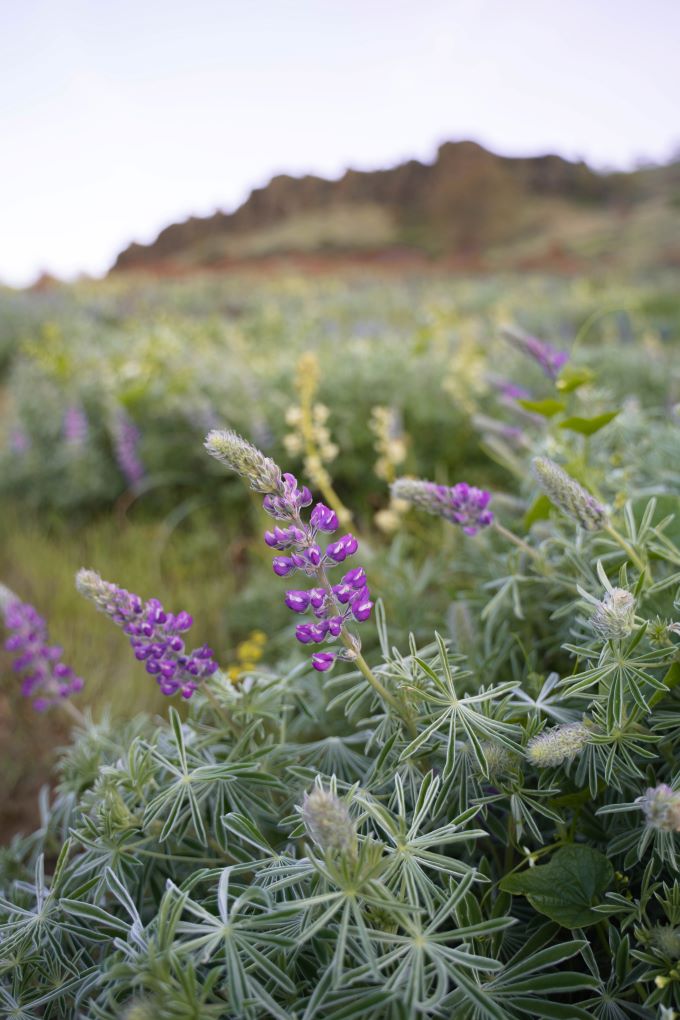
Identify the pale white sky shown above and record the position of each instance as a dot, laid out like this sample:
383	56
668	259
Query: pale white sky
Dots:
118	117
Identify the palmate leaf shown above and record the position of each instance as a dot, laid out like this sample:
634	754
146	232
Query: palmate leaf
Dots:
194	784
522	988
470	714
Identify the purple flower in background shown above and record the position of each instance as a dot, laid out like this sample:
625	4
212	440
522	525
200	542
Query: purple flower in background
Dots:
461	504
155	636
550	359
75	426
509	389
19	441
126	443
45	678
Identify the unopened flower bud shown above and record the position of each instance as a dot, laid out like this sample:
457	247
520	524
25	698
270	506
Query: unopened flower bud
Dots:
557	745
614	617
245	459
568	495
328	821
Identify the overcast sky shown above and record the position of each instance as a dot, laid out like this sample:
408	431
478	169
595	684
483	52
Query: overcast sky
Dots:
118	117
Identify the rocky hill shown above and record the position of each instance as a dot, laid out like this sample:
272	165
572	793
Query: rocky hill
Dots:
469	207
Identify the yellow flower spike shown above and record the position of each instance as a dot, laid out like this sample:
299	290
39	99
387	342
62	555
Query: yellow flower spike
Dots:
390	445
310	435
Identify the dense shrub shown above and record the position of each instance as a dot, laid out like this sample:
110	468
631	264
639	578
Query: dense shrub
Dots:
477	824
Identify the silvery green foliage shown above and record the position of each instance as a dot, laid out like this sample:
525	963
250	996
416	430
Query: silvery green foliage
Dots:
497	842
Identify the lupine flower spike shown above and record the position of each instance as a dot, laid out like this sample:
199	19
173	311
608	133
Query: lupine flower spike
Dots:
549	359
75	426
568	495
461	504
155	636
126	442
46	679
333	606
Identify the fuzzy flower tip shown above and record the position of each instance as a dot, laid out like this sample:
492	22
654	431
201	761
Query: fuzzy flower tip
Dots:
328	821
45	678
571	498
245	459
661	807
614	617
558	745
461	504
155	636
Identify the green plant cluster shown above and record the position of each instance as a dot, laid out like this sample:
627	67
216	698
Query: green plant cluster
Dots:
497	839
177	358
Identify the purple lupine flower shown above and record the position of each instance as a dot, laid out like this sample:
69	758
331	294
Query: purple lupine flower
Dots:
324	519
509	389
46	679
126	441
155	635
461	504
550	359
333	606
290	500
75	426
322	661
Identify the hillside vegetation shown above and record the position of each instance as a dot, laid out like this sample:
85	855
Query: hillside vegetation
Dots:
469	207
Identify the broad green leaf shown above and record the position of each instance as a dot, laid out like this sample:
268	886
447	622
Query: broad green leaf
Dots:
547	408
588	426
567	888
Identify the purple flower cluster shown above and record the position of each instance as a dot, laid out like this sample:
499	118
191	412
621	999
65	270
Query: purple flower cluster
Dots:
126	442
333	605
155	636
550	359
463	504
75	425
46	678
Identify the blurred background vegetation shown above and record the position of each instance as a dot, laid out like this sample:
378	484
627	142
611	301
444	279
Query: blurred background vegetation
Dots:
108	389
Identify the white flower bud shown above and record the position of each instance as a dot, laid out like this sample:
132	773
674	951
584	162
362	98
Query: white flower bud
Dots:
328	821
614	617
557	745
661	807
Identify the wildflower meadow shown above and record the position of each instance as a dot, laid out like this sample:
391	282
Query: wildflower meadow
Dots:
354	606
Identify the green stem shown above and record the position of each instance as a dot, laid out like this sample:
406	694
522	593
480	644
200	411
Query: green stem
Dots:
519	542
351	645
627	548
216	705
377	686
75	713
